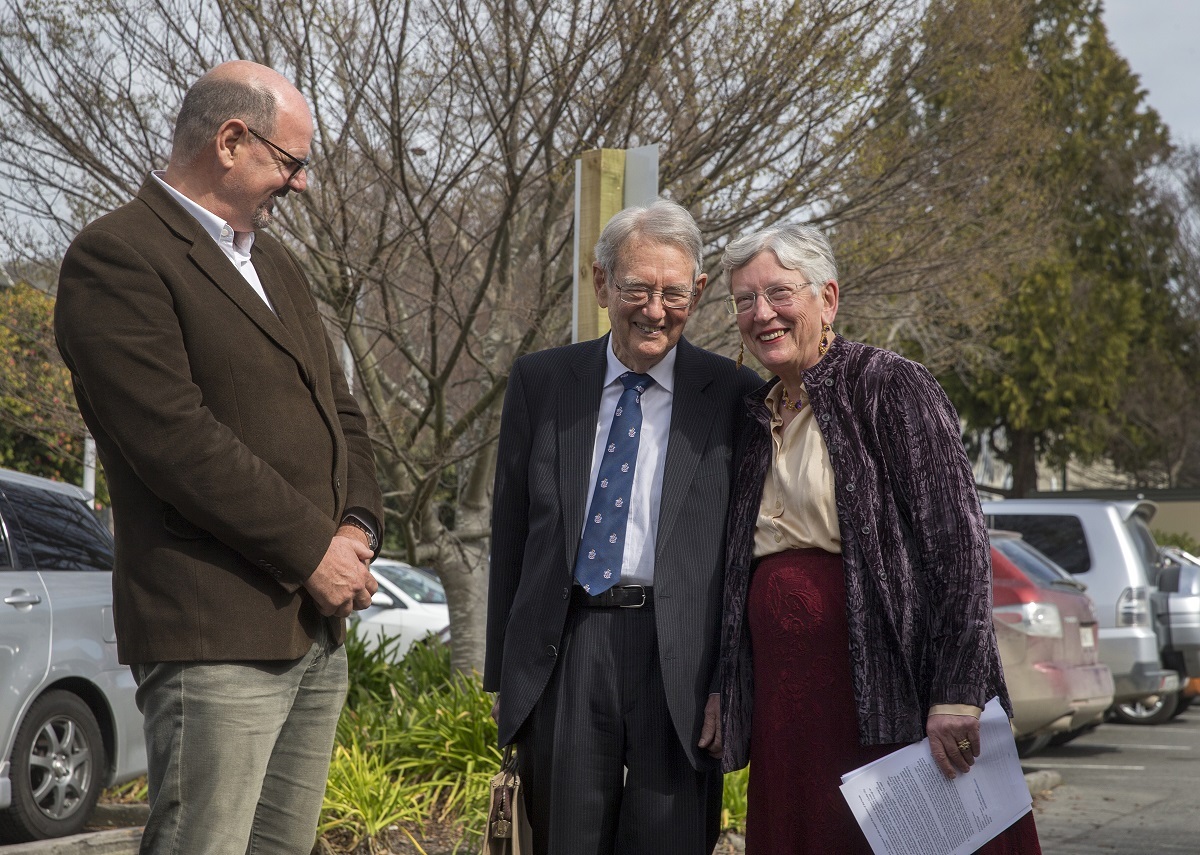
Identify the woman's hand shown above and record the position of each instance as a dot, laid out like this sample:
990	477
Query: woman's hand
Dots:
947	734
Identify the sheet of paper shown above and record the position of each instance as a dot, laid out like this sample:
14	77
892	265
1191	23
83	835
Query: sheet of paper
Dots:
906	806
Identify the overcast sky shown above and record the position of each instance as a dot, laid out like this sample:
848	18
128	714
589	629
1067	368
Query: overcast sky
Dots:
1161	41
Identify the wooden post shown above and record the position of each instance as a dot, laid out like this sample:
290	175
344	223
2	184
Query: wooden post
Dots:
606	180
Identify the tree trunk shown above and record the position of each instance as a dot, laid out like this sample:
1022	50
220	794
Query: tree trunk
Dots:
465	578
1022	457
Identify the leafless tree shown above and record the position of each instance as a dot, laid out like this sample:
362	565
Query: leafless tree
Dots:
437	227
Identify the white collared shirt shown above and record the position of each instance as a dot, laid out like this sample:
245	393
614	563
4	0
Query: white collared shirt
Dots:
235	245
637	564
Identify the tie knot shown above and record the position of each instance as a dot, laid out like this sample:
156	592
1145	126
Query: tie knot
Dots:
641	382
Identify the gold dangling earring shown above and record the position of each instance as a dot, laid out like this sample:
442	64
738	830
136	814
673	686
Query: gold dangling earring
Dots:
741	353
826	339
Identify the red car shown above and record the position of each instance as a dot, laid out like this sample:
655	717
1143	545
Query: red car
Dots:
1047	633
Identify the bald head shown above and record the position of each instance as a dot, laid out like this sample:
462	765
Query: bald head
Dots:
233	90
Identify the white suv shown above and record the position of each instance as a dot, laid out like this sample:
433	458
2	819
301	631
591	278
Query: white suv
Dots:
68	722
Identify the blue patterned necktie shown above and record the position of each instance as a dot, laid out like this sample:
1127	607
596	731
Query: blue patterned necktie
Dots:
598	564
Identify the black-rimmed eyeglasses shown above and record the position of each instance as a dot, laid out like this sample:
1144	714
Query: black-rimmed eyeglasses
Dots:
672	298
297	163
777	295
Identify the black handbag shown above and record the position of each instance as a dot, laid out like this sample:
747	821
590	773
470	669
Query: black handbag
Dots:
507	831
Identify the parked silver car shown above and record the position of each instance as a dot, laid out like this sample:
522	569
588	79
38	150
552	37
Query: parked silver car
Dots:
68	722
1106	546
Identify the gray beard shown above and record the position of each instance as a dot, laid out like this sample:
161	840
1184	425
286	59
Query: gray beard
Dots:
262	215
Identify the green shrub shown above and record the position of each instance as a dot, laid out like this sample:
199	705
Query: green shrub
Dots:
1173	538
733	804
415	731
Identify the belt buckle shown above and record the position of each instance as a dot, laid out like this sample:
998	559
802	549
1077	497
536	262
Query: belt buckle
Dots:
641	588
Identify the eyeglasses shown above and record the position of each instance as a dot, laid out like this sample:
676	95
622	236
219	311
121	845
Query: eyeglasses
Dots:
777	295
672	298
297	163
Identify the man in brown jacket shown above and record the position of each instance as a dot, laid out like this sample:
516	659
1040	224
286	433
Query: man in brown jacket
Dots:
241	473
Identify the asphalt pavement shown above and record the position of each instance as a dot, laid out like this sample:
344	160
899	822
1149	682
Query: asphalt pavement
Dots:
1126	790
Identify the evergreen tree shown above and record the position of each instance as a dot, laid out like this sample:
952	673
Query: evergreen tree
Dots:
1065	341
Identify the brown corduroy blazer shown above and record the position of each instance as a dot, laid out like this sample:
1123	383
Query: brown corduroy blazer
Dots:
230	441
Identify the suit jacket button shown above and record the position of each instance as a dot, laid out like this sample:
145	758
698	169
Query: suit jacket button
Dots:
551	650
566	593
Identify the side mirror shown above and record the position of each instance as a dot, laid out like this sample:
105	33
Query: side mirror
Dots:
383	600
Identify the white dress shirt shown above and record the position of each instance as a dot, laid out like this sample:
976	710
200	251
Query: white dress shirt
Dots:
235	245
637	563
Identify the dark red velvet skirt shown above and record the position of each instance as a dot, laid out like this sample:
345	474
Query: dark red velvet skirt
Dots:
804	735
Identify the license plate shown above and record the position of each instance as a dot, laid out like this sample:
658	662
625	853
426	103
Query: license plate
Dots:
1087	636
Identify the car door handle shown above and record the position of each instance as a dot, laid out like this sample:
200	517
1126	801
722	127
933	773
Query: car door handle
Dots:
21	597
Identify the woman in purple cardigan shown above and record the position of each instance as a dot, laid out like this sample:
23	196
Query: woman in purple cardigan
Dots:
858	585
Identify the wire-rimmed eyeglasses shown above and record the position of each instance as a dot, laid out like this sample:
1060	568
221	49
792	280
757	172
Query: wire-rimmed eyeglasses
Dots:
297	163
672	298
777	295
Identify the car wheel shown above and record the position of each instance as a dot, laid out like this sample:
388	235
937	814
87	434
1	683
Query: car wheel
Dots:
57	767
1027	746
1153	710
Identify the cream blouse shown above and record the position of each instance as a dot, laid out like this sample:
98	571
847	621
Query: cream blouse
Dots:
798	508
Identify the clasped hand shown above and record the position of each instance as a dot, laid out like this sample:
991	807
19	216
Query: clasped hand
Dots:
342	582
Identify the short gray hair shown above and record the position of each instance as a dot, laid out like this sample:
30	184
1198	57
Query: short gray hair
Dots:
214	100
662	222
797	247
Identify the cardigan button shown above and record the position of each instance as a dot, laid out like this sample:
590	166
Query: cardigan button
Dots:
883	577
824	417
850	487
866	529
828	381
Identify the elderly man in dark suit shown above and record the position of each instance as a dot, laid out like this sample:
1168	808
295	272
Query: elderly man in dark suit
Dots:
240	470
607	542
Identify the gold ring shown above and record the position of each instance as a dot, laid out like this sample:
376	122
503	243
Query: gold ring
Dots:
964	745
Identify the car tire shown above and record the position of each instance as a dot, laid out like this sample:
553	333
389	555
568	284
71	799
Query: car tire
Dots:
1184	703
57	769
1138	712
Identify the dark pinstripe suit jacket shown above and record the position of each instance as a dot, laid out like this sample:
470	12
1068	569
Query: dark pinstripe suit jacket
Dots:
544	462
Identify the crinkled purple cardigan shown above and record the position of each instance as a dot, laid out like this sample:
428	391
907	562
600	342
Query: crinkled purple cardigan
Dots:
914	548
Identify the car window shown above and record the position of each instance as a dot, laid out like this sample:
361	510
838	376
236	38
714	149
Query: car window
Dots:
60	533
1059	536
5	556
1036	566
422	588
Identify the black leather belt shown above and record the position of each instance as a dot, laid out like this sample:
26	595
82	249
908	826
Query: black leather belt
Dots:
617	597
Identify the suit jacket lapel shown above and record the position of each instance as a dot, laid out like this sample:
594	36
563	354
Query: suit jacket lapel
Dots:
691	421
578	404
214	264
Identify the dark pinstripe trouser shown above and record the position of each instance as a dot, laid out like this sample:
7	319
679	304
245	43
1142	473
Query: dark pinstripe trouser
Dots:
603	711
